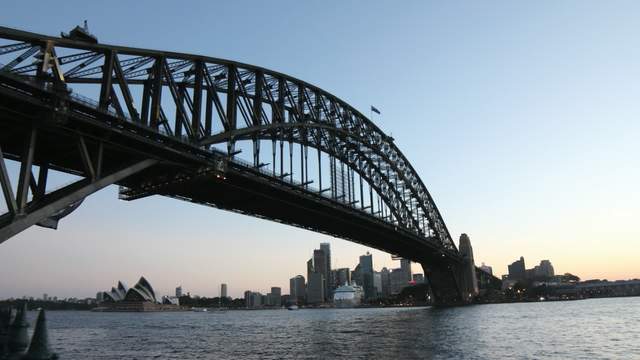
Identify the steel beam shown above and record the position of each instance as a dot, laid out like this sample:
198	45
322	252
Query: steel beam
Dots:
67	196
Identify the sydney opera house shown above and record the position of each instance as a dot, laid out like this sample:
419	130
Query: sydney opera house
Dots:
141	297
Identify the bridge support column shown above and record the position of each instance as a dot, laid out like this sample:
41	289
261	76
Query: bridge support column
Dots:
453	284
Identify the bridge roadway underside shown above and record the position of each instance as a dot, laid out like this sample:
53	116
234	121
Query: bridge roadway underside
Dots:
249	192
182	172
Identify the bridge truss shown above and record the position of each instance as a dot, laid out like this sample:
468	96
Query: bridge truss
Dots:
289	131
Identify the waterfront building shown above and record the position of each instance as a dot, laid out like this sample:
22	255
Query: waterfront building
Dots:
223	291
99	297
179	291
315	289
297	289
141	297
348	296
486	269
517	270
418	278
253	299
274	297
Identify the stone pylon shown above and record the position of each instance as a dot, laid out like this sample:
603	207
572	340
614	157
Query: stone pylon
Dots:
39	348
17	337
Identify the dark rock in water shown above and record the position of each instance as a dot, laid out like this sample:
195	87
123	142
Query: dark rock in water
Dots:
17	337
39	348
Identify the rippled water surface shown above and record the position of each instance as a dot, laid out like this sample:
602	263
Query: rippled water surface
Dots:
588	329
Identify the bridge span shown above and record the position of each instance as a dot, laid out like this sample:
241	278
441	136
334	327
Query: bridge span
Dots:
214	132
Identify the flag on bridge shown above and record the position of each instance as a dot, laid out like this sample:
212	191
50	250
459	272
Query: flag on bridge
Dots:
373	108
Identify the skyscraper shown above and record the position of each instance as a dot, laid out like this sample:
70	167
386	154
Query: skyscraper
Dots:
320	260
315	288
366	272
179	291
405	265
309	268
329	280
343	276
297	289
517	270
223	290
385	280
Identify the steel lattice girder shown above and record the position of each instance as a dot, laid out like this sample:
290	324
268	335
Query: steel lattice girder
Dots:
316	118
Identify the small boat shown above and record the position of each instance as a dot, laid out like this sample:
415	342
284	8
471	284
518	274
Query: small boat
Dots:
195	309
292	307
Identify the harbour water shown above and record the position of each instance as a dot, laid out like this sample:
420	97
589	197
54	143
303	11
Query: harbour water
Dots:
587	329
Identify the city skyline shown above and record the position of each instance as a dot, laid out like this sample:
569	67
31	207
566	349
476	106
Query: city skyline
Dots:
530	147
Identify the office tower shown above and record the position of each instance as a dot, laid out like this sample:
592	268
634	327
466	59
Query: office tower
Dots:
329	280
315	288
223	290
276	296
385	280
343	276
320	266
546	269
297	289
405	265
366	272
309	268
486	269
356	276
179	291
377	282
517	270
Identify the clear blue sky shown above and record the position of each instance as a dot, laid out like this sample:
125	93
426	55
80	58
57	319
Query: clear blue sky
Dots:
522	118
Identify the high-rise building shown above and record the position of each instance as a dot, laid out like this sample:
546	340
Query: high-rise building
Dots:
315	288
99	296
275	297
486	269
385	282
329	279
179	291
366	272
405	266
253	299
517	270
377	283
343	276
309	268
45	297
397	280
356	275
320	260
297	289
223	290
544	270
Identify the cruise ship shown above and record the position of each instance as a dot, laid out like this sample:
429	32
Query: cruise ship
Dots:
348	296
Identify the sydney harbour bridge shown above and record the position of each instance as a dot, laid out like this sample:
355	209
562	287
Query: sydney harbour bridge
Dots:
213	132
